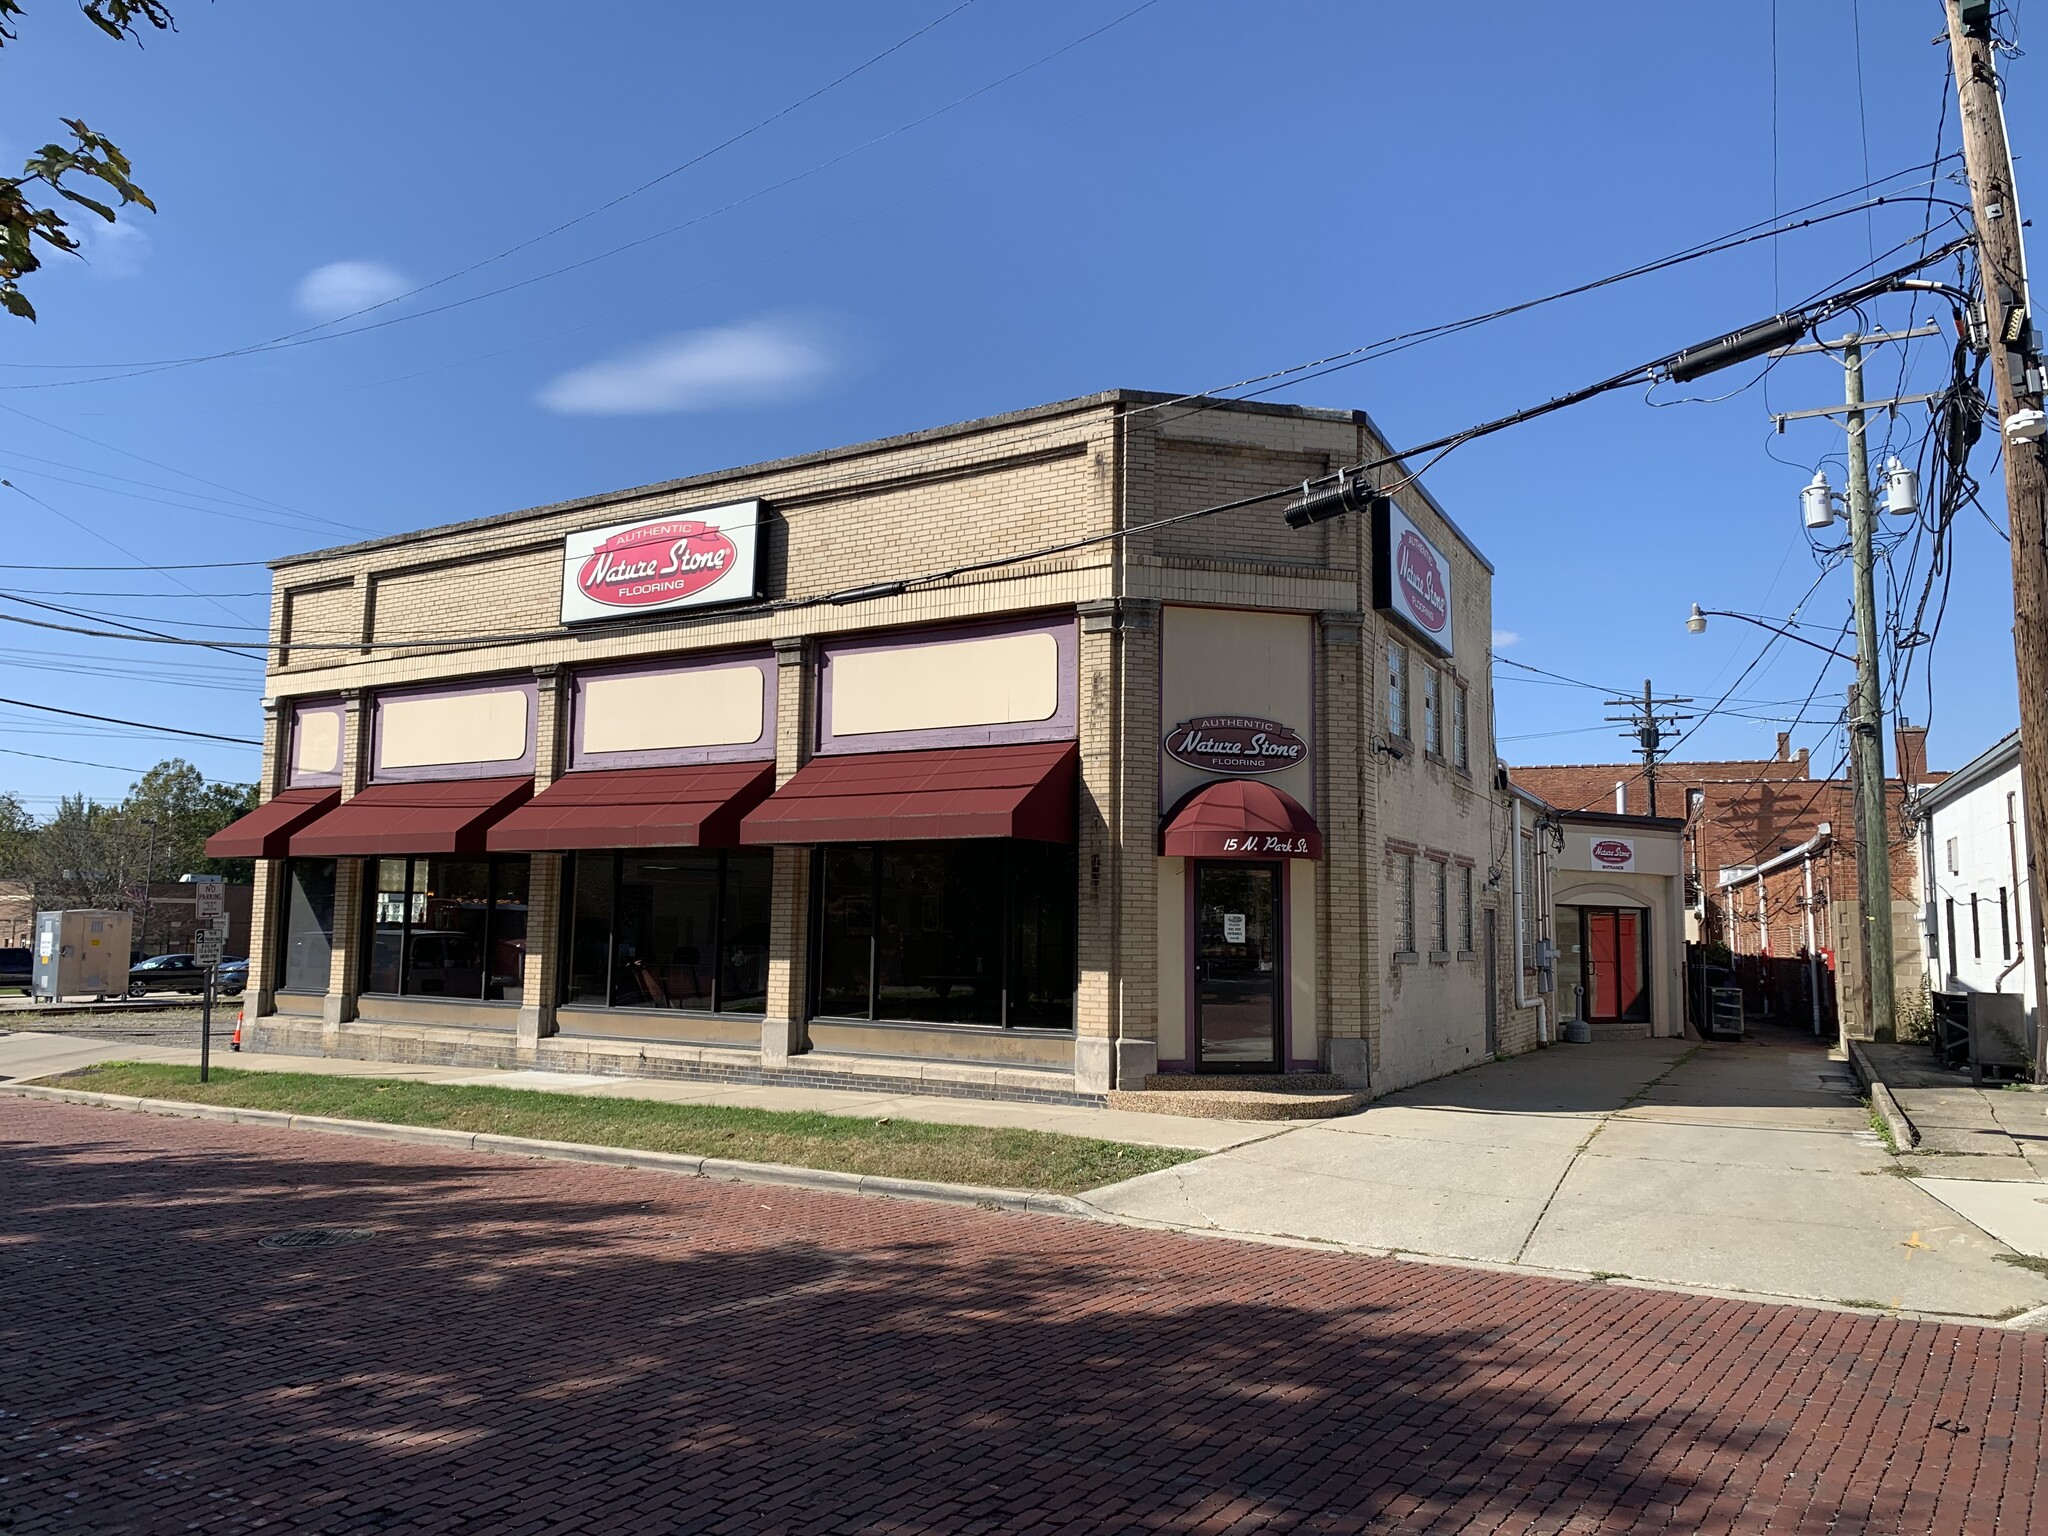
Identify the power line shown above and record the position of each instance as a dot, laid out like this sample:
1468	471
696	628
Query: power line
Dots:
203	565
511	250
1439	448
302	339
140	725
79	762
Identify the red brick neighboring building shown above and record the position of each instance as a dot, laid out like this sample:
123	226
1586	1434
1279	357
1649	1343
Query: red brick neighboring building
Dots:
1744	814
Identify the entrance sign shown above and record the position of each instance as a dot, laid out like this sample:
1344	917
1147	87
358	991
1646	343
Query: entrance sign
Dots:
1614	853
1233	927
1411	579
688	560
1235	744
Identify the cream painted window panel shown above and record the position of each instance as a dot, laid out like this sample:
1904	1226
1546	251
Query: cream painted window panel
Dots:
457	728
650	711
318	748
1002	680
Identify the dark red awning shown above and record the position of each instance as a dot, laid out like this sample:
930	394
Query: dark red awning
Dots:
698	806
1241	819
1022	791
266	831
439	816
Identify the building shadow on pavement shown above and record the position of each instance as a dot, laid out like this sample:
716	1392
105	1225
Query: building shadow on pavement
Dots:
548	1347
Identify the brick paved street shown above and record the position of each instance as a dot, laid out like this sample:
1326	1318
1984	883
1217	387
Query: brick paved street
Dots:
543	1347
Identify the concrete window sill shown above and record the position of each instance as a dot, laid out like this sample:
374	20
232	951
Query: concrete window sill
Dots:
1406	957
1439	957
1468	954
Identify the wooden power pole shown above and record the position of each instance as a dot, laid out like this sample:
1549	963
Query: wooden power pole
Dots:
2016	377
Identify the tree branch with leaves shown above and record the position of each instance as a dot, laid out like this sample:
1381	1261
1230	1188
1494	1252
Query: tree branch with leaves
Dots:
32	215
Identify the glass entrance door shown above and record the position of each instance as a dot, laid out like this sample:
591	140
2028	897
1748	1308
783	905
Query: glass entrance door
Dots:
1237	966
1616	948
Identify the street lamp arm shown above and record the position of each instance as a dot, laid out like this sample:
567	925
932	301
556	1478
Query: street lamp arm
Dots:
1697	623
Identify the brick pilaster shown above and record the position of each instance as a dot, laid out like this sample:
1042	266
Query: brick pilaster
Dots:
1342	726
267	882
344	973
789	926
542	980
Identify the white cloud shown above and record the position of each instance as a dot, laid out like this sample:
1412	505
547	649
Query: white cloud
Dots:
747	364
343	287
1503	638
111	250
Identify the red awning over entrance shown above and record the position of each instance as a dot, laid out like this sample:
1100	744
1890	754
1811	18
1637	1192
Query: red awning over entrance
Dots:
697	806
439	816
1025	791
1241	819
266	831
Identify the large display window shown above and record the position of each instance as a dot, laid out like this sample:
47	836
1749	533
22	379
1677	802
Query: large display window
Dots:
306	942
679	929
969	932
452	928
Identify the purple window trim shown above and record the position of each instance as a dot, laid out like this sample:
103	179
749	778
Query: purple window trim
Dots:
503	768
1062	725
293	779
760	749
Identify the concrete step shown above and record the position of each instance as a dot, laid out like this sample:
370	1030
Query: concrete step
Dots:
1312	1096
1242	1082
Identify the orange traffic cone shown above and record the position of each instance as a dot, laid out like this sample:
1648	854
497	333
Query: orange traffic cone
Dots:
235	1041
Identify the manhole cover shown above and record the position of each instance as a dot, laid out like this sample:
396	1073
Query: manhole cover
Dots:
315	1237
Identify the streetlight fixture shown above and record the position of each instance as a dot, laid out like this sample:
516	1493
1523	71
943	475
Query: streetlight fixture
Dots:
1696	623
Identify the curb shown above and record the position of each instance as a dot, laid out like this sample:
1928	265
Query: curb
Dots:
817	1180
1904	1132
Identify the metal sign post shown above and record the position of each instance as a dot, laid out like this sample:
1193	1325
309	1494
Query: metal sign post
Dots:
209	906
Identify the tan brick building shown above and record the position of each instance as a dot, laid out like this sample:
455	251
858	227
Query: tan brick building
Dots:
967	758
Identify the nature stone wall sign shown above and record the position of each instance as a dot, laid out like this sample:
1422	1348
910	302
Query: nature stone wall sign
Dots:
1235	744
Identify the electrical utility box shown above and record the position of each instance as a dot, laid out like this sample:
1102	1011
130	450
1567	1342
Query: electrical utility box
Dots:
81	954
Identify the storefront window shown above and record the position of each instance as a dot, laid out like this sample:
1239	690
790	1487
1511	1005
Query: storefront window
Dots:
683	929
975	932
1432	712
308	939
1461	727
447	928
1397	688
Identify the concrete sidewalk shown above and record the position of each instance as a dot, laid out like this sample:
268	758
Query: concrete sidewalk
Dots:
28	1056
1746	1167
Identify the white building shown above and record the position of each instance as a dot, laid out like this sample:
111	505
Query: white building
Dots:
1973	858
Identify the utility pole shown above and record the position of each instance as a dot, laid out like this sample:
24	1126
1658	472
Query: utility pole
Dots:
1646	721
1866	720
1866	698
2016	380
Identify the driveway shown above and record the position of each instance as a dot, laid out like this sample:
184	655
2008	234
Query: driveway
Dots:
1745	1167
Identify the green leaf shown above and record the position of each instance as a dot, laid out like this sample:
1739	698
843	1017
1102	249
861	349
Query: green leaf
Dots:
85	202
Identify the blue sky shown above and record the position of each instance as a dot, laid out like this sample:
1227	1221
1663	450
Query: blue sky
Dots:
1204	192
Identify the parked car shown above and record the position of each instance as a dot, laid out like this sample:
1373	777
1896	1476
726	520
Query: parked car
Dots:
182	973
17	968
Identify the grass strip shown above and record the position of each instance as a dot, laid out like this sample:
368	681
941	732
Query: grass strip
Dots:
905	1149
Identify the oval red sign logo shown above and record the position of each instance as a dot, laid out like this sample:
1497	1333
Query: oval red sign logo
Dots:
1422	582
1613	852
656	563
1235	744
